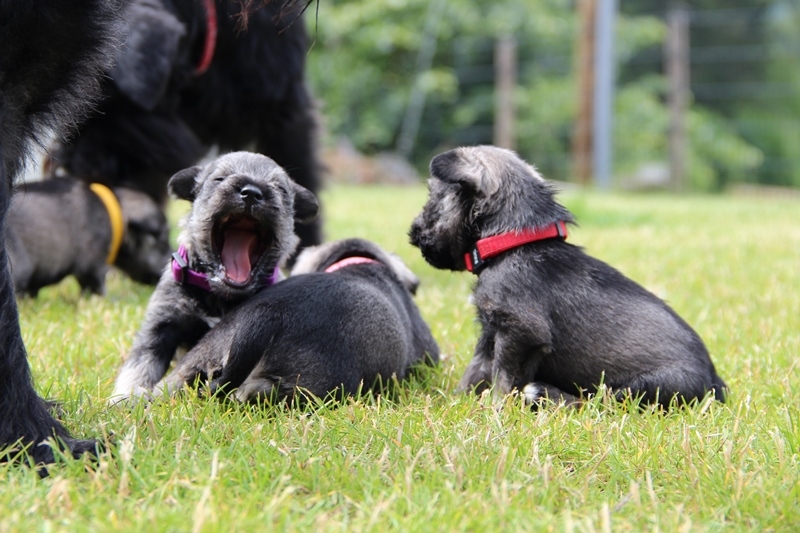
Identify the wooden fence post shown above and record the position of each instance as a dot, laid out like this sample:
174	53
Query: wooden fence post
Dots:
676	51
582	134
505	76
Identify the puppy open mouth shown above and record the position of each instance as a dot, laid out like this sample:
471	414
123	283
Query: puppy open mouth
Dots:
240	242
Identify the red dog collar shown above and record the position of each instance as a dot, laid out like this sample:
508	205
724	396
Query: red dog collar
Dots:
186	276
490	247
210	41
347	261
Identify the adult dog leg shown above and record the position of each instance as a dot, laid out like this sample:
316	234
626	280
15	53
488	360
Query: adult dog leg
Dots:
25	419
292	143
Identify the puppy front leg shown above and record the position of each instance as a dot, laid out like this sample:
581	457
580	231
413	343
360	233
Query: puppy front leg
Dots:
204	363
517	361
518	354
478	376
94	281
245	360
193	369
165	329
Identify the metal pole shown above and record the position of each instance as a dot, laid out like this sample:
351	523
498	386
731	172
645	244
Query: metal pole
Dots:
604	93
427	49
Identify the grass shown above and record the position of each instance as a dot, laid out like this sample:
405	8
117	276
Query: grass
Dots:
429	459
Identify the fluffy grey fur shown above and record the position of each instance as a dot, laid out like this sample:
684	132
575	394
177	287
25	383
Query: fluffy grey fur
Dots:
318	333
555	321
60	227
237	194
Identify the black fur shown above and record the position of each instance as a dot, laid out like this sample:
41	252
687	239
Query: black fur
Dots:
158	117
317	333
555	321
51	54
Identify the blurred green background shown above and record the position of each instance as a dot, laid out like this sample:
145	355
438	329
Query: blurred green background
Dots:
369	56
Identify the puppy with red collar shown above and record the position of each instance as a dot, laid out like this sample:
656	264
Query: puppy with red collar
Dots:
239	232
343	322
556	323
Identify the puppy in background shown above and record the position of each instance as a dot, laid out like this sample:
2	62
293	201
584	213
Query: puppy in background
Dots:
555	321
63	227
343	322
238	234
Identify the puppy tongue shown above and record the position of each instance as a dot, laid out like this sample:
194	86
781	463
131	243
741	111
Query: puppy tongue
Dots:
236	253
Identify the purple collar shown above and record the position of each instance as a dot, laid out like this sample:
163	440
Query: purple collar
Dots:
186	276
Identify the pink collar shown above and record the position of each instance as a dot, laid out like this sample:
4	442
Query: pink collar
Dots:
186	276
490	247
210	41
347	261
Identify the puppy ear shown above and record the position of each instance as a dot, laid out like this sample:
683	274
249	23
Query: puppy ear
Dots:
183	185
144	63
463	167
409	280
306	205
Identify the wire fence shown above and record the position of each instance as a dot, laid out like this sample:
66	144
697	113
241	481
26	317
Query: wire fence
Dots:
737	69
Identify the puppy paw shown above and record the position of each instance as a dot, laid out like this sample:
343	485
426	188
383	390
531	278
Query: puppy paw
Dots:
136	394
532	393
80	448
537	394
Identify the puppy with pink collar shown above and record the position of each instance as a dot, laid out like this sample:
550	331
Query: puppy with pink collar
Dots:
344	322
238	234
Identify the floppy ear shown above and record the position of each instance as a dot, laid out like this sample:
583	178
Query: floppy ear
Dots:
306	205
461	166
145	61
409	280
183	185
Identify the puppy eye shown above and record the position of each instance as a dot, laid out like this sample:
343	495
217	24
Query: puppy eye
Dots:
220	178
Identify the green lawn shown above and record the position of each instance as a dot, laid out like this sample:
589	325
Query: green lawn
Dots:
429	459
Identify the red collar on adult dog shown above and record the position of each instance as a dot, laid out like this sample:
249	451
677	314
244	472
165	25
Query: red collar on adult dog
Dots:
186	276
490	247
210	42
347	261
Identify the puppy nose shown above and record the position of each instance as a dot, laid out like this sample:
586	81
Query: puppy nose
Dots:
250	194
414	233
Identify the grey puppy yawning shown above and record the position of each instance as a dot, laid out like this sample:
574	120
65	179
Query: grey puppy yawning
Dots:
239	231
343	322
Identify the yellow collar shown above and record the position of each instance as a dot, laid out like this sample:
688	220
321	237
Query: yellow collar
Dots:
115	215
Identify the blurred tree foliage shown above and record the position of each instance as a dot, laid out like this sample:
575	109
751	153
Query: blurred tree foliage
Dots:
773	124
745	67
363	66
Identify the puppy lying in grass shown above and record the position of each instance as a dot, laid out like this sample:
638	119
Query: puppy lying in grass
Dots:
555	321
239	231
343	322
